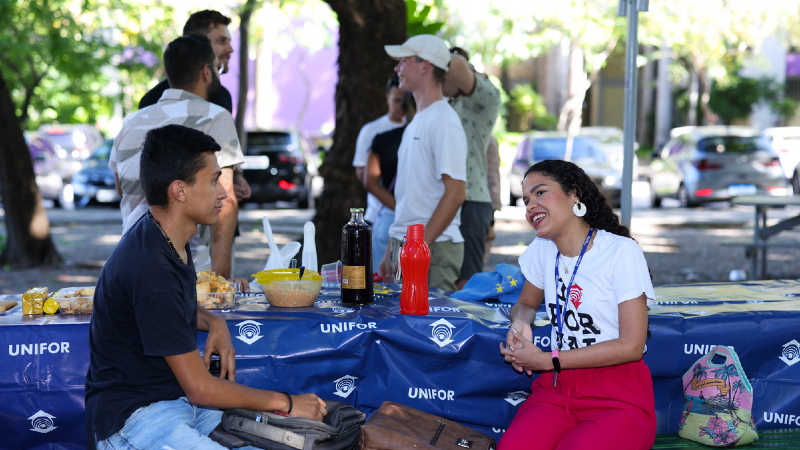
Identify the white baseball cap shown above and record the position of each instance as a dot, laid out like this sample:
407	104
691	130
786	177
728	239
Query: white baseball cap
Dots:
426	46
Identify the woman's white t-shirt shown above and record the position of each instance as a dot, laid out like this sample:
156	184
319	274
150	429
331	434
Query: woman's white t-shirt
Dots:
612	271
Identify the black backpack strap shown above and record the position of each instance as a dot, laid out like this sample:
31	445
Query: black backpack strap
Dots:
263	430
225	439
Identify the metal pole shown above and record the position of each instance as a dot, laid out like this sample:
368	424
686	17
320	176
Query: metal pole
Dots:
629	124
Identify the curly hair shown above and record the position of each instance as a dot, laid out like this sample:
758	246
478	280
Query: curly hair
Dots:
573	179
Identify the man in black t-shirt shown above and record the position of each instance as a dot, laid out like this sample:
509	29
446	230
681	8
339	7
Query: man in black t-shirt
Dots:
147	384
214	25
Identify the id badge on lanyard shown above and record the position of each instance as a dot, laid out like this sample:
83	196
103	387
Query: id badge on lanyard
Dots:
561	317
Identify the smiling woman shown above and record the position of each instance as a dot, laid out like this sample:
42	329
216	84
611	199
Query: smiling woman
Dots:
596	287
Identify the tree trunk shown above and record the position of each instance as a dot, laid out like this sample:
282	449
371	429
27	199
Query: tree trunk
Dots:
244	68
28	230
365	26
710	117
694	95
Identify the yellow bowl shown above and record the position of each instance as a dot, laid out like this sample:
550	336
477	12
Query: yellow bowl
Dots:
284	288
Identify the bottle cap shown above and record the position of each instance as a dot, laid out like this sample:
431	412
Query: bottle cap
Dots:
356	210
416	231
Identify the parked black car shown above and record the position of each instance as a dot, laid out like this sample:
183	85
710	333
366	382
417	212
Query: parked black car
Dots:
276	167
95	182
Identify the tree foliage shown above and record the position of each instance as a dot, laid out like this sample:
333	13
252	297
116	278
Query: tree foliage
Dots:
735	98
418	19
58	56
715	45
530	108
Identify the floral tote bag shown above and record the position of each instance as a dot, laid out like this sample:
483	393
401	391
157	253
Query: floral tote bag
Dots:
718	401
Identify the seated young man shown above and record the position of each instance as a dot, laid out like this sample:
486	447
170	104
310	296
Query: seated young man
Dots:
147	385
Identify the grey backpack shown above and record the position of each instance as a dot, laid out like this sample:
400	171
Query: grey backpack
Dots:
339	430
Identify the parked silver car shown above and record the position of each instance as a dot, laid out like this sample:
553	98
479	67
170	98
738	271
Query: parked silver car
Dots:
611	139
586	153
714	163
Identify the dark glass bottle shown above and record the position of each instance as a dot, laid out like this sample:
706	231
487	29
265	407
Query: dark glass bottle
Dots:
356	260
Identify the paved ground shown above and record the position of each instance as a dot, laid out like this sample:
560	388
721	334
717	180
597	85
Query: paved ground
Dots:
680	245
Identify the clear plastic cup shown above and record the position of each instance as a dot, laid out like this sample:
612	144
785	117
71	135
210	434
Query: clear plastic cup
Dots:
331	274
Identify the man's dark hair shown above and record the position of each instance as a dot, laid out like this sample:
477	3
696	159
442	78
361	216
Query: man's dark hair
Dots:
184	59
393	82
459	51
169	153
201	22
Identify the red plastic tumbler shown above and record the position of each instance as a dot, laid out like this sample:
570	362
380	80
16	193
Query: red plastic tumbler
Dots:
415	260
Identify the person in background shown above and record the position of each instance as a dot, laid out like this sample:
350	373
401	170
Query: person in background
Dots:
214	25
477	102
431	163
493	178
392	119
147	386
381	176
595	390
192	68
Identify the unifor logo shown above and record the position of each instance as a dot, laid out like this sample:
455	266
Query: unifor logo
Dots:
516	397
345	386
342	310
442	332
791	352
249	331
42	422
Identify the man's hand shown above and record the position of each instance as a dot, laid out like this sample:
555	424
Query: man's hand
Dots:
219	342
385	266
309	406
241	188
244	283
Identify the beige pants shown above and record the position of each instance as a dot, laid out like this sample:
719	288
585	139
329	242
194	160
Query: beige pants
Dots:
446	259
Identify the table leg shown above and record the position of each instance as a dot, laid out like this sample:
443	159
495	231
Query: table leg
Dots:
756	249
764	241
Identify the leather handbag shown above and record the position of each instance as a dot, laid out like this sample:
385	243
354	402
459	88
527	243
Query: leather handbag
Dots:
398	427
717	401
268	430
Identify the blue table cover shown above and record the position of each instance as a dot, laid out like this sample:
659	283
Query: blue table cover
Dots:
446	363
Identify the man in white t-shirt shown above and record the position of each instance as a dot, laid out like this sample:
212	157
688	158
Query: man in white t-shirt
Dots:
431	162
389	121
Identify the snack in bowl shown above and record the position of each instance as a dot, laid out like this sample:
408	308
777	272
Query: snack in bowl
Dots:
285	288
214	291
75	300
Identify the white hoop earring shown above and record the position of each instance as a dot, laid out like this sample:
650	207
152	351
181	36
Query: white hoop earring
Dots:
579	209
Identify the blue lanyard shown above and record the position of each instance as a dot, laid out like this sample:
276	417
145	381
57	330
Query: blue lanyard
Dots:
559	319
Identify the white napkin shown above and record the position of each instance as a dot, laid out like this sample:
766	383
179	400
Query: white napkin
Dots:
309	247
275	261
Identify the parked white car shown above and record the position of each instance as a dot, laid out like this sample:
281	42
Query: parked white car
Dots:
786	143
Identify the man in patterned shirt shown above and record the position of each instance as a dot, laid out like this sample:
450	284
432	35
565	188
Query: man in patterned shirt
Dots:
476	101
193	72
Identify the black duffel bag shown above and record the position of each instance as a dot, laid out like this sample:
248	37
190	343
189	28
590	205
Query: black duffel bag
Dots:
339	430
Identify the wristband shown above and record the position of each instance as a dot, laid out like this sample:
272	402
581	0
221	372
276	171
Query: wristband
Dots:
556	362
291	405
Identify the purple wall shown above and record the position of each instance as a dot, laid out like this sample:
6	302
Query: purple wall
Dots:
288	89
793	65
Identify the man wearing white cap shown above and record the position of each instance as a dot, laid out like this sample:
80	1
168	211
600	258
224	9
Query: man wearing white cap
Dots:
432	162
